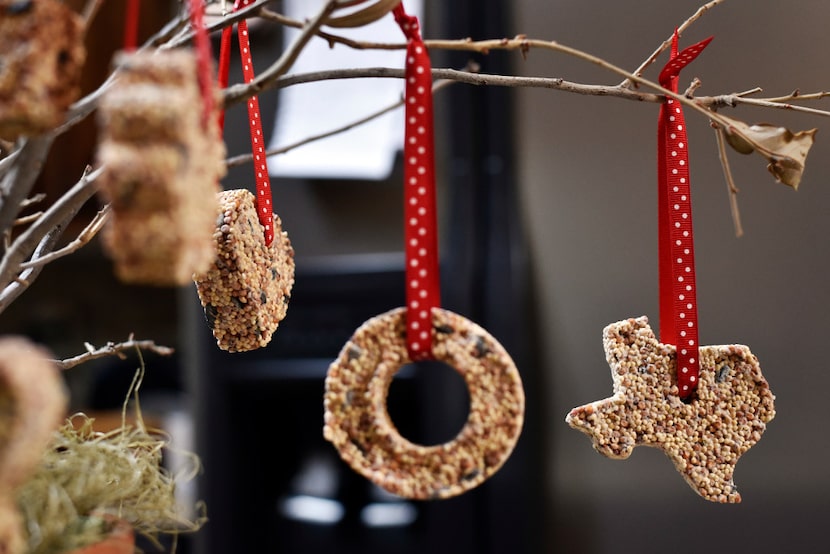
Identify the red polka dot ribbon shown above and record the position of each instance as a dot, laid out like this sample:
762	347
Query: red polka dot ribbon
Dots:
678	292
420	223
263	181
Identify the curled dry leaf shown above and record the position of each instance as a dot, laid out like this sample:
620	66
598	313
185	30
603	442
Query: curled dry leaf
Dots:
376	10
785	151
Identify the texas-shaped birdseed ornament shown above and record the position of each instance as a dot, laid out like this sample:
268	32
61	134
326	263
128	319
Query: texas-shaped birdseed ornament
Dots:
704	435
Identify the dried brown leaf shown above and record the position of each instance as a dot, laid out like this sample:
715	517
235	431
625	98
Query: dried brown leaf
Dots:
785	151
364	16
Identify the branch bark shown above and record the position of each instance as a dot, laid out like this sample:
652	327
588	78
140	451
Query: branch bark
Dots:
17	183
53	221
113	349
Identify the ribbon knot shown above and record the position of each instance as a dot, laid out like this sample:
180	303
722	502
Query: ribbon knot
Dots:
409	24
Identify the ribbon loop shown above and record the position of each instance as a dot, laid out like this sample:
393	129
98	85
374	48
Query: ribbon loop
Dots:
264	207
420	221
678	289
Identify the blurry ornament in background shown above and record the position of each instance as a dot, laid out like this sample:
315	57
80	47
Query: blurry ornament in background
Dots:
32	405
42	55
162	169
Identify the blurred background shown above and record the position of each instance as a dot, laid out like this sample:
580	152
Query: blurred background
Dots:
548	224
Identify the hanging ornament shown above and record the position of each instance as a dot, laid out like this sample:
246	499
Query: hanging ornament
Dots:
33	405
357	384
246	289
41	57
161	169
703	406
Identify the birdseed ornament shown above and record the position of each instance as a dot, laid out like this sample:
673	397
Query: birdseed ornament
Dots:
32	405
163	158
246	290
357	384
703	406
42	55
162	168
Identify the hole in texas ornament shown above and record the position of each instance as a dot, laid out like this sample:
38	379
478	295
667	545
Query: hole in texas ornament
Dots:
703	436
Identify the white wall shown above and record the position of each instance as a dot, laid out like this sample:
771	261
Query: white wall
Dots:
588	174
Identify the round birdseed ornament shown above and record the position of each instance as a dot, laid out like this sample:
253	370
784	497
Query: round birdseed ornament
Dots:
703	437
246	290
358	423
41	57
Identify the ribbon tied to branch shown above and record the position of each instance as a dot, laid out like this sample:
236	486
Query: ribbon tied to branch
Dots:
420	221
678	291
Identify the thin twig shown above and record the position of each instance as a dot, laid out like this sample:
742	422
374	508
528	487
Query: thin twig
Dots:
7	163
693	86
247	158
62	210
289	56
667	43
239	93
86	235
168	31
27	277
18	181
730	183
36	199
754	90
113	349
796	95
27	219
780	105
250	11
90	10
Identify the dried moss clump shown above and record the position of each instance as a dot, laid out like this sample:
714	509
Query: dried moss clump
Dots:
88	479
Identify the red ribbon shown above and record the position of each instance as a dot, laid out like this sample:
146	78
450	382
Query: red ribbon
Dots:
131	25
423	291
204	58
678	291
263	181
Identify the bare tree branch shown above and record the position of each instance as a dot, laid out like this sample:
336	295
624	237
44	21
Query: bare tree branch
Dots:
287	59
86	235
63	210
228	20
90	10
20	168
247	158
17	183
27	277
667	43
113	349
730	183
